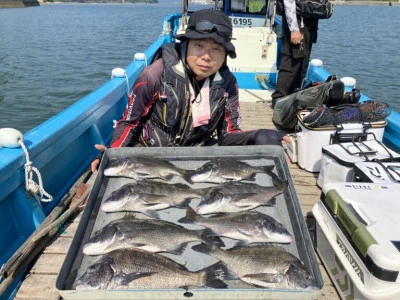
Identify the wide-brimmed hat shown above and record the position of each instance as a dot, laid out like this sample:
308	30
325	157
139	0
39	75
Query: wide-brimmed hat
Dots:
208	23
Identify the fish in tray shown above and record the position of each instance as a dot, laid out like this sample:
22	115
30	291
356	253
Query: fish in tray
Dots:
140	168
147	234
135	268
149	196
248	227
220	170
267	266
238	196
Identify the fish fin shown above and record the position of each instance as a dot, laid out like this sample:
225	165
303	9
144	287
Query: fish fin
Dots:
245	206
190	217
241	196
129	215
125	279
152	199
151	213
135	245
178	250
181	185
202	248
212	240
265	277
240	244
168	177
214	275
185	203
210	232
271	202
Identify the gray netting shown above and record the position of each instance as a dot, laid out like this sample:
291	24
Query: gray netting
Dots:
367	111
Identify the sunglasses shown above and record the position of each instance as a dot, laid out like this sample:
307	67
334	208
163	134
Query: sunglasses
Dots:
208	27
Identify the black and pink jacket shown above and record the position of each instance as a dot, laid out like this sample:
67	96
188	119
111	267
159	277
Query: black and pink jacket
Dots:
159	114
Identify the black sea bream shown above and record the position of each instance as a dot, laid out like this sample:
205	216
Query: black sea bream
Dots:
147	234
248	227
134	268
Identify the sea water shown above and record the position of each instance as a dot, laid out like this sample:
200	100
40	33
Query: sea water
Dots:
52	55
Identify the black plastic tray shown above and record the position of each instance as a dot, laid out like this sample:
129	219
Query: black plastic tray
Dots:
287	211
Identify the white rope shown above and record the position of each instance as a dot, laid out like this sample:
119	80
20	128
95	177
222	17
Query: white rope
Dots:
30	185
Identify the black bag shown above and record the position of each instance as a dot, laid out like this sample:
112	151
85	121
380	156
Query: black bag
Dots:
317	9
286	108
364	112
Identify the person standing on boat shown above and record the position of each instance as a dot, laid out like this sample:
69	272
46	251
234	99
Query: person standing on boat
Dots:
298	35
189	96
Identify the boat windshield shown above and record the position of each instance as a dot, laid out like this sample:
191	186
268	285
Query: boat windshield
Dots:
258	7
232	7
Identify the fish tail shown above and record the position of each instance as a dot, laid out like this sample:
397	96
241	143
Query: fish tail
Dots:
276	181
184	203
186	175
214	275
213	241
268	168
190	217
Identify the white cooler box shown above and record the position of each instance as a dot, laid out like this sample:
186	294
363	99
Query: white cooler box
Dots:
310	140
358	238
338	160
377	172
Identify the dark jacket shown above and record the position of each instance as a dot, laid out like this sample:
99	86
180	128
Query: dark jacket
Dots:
159	113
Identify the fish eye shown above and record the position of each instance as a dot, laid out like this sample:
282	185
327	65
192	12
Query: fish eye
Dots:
206	168
219	196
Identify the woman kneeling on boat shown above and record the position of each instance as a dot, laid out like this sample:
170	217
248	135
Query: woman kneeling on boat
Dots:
189	96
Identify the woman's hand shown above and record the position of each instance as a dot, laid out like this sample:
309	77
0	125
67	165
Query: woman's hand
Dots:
96	162
288	140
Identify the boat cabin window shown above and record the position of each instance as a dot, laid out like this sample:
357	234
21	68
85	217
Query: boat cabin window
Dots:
258	7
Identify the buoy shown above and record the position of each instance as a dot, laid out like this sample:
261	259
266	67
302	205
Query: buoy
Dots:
140	56
120	73
316	62
10	137
349	82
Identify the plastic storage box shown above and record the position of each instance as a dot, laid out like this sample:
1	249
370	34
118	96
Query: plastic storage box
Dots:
377	172
310	140
338	160
358	238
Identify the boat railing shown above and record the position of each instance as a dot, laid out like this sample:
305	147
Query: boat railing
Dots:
61	148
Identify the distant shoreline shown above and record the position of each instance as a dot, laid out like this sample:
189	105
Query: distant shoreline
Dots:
367	3
23	3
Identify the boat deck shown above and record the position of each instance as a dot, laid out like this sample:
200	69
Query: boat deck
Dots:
256	113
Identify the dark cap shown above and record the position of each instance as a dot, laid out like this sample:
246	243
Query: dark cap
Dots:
210	24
